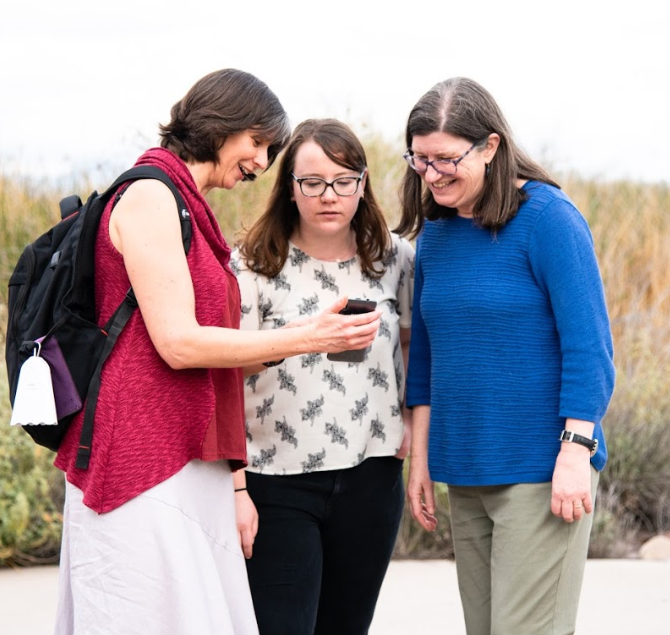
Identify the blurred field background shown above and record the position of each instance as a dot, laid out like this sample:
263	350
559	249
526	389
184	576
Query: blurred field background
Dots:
630	223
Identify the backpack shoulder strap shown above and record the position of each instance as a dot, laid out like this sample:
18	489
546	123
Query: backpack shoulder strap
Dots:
113	329
151	172
121	316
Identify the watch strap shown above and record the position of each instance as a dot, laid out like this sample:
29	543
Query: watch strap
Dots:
572	437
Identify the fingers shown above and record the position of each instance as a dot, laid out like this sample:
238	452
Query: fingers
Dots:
361	327
402	453
403	450
247	522
355	319
415	505
429	500
571	510
247	532
333	332
247	541
339	304
427	520
365	319
423	511
346	332
365	326
571	487
421	514
581	507
588	504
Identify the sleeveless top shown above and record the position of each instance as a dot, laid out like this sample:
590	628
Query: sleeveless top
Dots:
151	419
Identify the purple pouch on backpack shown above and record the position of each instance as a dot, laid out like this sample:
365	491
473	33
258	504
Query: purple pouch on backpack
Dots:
66	395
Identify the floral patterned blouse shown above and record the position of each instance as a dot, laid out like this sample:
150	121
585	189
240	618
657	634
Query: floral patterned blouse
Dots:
310	413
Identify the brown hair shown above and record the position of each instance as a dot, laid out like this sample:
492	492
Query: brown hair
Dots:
461	107
220	104
265	245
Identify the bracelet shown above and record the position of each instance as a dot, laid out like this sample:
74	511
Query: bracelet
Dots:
240	489
271	364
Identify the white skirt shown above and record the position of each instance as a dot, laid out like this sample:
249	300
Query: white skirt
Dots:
166	562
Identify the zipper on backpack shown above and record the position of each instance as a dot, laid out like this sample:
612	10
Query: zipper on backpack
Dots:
23	292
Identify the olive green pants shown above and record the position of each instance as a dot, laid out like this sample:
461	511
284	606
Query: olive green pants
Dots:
519	567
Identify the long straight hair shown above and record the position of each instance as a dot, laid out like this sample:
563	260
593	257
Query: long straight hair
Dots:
461	107
265	244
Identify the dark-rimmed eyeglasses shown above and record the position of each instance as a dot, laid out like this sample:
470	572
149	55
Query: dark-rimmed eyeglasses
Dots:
315	186
447	167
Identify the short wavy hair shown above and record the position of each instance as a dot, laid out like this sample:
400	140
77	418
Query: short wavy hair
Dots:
220	104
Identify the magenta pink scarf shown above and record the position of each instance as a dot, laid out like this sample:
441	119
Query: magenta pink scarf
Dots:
177	170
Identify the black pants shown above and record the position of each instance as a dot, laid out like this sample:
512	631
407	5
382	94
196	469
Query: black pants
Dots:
324	543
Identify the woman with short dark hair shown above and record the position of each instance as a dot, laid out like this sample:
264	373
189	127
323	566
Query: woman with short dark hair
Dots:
221	104
149	541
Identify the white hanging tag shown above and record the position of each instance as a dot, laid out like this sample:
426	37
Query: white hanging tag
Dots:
34	401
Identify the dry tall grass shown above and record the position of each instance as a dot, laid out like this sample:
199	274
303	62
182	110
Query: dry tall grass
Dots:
631	229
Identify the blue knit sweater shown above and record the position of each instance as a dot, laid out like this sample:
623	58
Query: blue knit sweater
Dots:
510	337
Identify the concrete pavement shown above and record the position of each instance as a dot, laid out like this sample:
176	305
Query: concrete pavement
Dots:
620	597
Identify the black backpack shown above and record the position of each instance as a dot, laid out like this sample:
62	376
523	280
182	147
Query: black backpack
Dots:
51	306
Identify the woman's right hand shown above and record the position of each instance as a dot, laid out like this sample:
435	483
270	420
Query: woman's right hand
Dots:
329	332
333	333
247	522
421	494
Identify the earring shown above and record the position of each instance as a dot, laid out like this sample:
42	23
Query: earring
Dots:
487	170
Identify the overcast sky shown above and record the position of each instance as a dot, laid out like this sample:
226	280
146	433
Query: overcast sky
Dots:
585	84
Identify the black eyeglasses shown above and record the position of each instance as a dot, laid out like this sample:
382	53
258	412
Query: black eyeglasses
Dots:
447	167
315	186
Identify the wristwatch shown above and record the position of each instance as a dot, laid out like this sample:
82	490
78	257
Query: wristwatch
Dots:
572	437
273	364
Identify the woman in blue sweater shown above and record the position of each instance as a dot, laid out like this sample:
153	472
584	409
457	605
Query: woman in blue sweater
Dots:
510	369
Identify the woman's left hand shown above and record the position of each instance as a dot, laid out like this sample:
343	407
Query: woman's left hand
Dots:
571	484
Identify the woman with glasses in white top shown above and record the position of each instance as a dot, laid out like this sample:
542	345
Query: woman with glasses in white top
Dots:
326	434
